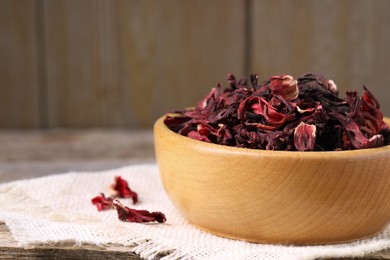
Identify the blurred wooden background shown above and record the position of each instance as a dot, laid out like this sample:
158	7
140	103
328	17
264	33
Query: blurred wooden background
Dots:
123	63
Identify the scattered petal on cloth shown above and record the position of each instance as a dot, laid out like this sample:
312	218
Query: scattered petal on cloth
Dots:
58	209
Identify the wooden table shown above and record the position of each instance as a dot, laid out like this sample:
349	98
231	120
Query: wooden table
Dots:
29	154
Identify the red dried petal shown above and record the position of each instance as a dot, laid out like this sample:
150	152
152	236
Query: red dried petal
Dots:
197	136
213	100
285	86
232	81
122	189
223	134
333	87
274	117
355	103
356	137
139	216
373	117
305	137
176	122
315	80
102	203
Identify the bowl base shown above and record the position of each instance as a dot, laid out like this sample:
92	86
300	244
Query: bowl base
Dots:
284	242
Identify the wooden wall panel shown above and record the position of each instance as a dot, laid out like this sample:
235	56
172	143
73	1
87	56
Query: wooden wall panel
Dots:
19	93
97	63
78	64
175	51
346	40
124	63
200	43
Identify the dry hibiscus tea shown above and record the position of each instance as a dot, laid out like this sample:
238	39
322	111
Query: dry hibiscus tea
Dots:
120	189
283	113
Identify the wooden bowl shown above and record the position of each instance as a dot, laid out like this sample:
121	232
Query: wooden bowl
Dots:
283	197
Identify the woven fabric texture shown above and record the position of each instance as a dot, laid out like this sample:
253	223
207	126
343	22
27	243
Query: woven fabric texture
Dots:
58	209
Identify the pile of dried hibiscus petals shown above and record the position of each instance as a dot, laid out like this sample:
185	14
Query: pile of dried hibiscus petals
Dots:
283	113
121	189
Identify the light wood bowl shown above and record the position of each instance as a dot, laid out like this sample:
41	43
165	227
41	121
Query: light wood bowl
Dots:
280	197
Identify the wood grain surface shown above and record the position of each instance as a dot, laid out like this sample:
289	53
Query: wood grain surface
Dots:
37	153
19	86
124	63
9	249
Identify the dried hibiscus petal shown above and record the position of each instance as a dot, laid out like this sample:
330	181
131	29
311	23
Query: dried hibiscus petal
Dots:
121	189
198	136
274	116
102	202
355	136
285	86
139	216
332	87
371	114
305	137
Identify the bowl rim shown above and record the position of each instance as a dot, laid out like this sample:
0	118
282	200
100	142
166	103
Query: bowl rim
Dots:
219	148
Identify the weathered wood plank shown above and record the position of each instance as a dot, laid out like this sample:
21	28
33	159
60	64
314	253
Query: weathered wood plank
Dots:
369	48
298	37
198	43
31	154
19	90
9	249
76	70
124	63
345	40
